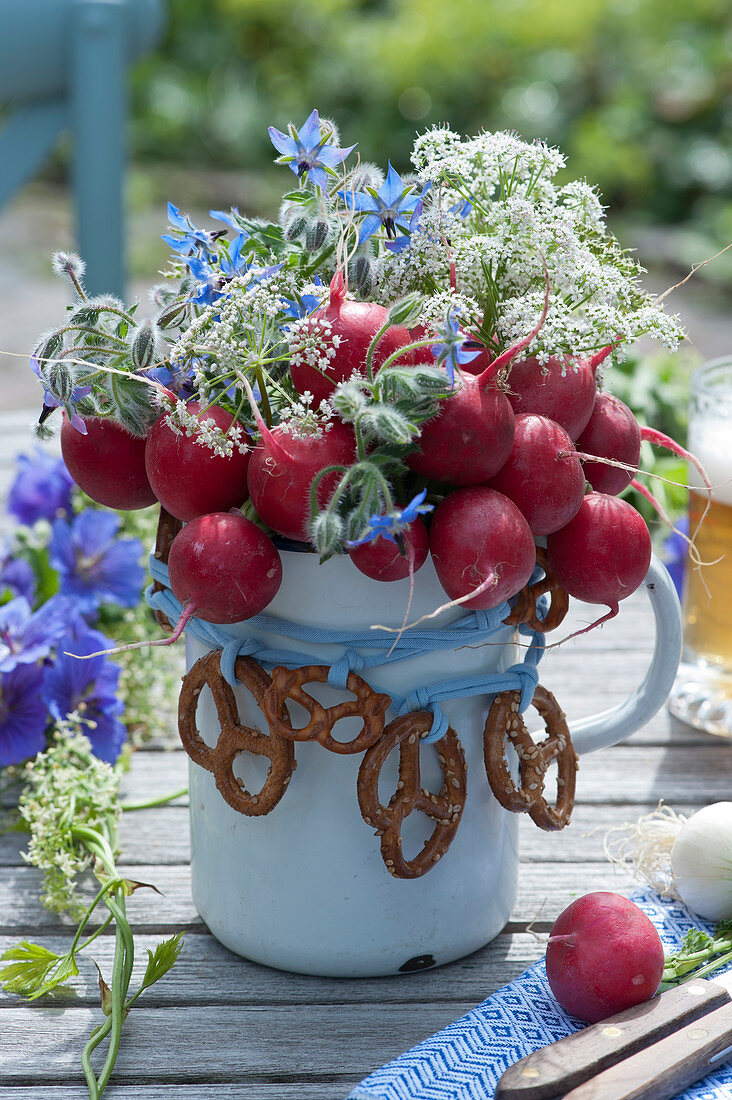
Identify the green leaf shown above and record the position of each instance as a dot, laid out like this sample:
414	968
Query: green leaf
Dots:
160	961
33	970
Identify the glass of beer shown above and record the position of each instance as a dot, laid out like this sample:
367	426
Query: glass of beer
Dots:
702	693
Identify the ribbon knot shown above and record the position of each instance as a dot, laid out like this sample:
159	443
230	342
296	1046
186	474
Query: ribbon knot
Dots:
351	661
237	647
528	675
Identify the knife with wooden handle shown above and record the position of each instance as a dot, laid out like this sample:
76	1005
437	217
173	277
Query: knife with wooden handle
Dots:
665	1069
555	1069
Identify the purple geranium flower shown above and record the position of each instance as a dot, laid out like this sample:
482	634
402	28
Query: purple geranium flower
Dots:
389	206
94	566
307	150
23	714
26	636
451	351
392	524
41	490
17	575
88	687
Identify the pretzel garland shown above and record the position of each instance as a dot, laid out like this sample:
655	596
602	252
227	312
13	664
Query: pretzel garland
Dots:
234	738
288	683
529	596
378	740
505	724
445	808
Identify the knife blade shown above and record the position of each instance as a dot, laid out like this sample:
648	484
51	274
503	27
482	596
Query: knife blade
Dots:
563	1065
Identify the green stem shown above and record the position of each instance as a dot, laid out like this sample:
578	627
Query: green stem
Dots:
372	349
407	347
151	803
264	396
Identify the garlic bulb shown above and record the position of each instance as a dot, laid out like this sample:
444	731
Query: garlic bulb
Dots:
701	862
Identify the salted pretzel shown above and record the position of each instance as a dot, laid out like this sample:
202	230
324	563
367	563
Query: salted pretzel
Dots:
444	808
168	528
368	705
234	738
528	597
506	725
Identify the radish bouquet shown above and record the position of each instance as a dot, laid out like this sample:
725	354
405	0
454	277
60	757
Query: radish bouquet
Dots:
402	364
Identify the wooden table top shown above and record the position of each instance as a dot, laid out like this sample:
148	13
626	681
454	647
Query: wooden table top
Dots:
220	1026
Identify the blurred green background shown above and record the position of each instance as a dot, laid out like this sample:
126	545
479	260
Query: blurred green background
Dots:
637	93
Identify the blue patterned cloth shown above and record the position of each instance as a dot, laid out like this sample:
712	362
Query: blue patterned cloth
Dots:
466	1059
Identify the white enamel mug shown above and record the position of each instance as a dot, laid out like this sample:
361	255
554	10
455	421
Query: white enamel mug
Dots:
304	887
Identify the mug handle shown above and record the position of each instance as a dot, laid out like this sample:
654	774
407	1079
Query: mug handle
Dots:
611	726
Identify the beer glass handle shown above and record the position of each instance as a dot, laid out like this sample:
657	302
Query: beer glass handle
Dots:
619	722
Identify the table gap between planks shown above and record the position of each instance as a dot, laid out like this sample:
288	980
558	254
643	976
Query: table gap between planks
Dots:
220	1026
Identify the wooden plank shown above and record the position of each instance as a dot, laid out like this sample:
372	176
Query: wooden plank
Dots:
323	1090
161	836
630	773
291	1045
208	974
22	912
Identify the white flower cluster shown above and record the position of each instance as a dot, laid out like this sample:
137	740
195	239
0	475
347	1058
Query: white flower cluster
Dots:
520	219
300	420
206	432
312	342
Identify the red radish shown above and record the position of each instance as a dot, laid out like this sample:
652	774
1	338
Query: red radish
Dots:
382	560
470	438
541	475
481	543
566	397
611	432
222	568
603	553
283	467
107	463
187	477
603	956
347	328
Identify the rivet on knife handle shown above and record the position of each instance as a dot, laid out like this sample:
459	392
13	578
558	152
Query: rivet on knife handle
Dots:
554	1069
665	1069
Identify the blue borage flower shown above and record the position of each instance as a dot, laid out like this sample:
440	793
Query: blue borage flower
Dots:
393	524
41	489
308	151
27	636
193	241
387	207
94	566
211	281
23	714
88	687
451	352
304	305
52	401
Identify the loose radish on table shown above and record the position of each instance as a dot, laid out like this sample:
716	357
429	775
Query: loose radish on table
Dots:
347	328
611	432
383	560
603	956
481	544
603	553
562	388
188	478
282	469
107	463
541	475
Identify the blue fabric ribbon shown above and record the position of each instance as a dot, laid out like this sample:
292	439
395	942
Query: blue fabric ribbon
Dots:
381	649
